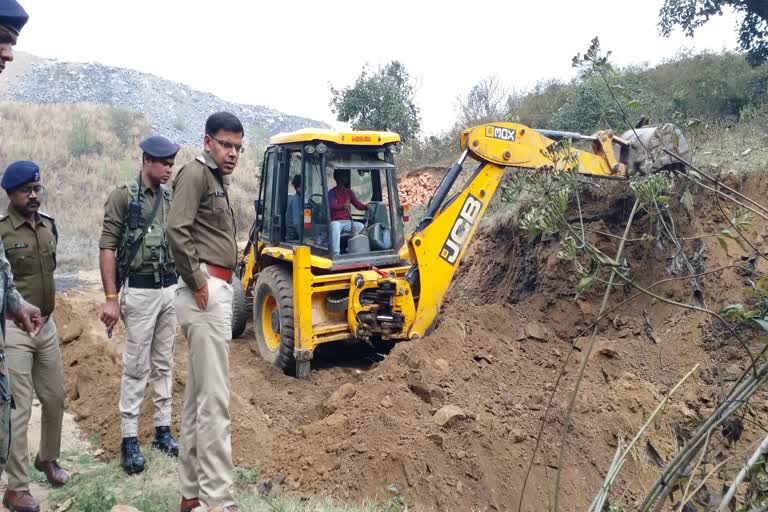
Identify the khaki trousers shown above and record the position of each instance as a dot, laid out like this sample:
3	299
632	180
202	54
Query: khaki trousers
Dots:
34	364
205	452
150	339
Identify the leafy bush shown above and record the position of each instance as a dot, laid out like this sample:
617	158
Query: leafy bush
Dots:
83	140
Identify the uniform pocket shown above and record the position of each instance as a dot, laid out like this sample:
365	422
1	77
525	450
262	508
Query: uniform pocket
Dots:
222	213
22	260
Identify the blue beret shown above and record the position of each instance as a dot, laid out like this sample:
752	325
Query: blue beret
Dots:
159	147
20	173
12	16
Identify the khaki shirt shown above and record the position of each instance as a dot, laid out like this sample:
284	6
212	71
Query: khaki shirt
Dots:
201	225
32	254
116	216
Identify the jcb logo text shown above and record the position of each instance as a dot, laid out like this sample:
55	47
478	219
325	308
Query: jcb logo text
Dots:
461	228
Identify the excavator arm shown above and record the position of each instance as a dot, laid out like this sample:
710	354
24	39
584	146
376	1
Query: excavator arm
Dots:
437	245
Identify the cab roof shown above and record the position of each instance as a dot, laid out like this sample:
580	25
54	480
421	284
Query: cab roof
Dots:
354	138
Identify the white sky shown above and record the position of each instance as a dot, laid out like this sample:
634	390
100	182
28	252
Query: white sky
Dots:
283	54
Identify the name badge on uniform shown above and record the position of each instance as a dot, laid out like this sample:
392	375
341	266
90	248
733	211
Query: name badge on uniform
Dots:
219	193
20	245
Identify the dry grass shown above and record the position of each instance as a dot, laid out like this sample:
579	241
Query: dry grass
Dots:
84	151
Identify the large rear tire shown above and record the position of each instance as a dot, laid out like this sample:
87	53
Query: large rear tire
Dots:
239	309
273	317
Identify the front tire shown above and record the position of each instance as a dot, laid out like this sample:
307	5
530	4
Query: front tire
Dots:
239	309
273	317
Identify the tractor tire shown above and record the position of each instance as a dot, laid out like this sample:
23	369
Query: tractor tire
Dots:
273	317
239	309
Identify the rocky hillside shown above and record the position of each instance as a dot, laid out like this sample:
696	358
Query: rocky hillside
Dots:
175	110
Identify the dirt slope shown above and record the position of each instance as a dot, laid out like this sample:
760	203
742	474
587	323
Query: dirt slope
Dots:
363	429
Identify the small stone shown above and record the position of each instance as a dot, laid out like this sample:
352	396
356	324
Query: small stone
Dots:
520	336
461	454
438	439
264	487
338	398
71	333
416	384
608	349
624	333
448	415
536	331
386	402
517	435
124	508
442	365
585	307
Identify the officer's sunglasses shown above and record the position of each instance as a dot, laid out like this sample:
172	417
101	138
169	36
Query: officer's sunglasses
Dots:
37	189
228	145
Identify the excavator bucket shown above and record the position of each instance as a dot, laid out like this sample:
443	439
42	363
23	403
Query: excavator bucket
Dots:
646	145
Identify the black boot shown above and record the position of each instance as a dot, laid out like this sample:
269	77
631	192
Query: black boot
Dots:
130	456
165	442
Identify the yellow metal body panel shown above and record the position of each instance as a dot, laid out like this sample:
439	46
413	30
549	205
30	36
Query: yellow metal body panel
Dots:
249	270
302	299
285	254
516	145
351	138
438	249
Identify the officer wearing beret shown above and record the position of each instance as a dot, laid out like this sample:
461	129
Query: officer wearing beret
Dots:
134	255
34	362
12	19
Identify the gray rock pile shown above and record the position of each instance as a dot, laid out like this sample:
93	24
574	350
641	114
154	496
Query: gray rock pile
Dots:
174	110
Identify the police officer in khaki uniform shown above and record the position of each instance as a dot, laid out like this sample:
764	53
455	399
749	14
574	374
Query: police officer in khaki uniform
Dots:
201	232
12	20
134	251
34	362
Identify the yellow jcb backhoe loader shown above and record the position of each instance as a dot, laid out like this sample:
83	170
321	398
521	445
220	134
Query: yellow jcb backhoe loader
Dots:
312	280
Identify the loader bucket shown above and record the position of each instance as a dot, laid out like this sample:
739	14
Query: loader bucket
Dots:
645	150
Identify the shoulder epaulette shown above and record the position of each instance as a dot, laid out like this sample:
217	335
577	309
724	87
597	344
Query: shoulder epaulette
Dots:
201	159
53	224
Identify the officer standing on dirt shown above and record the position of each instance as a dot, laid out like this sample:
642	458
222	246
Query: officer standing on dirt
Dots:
34	362
12	20
133	251
201	232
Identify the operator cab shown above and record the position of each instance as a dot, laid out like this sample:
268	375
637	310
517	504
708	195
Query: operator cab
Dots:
335	192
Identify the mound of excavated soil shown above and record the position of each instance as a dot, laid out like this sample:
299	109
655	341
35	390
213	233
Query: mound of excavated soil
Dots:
450	421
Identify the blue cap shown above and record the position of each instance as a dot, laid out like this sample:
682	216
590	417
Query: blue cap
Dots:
12	16
20	173
159	147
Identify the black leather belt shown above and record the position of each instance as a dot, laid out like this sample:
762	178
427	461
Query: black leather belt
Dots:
148	281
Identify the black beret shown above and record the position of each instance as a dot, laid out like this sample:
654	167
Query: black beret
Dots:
12	15
20	173
159	147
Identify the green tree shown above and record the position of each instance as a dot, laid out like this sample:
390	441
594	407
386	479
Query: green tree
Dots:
691	14
383	100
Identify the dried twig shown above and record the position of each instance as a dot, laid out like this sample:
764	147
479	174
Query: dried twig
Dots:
743	474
